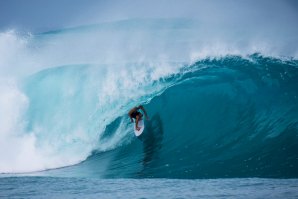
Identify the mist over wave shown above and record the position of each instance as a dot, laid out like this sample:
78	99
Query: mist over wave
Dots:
61	91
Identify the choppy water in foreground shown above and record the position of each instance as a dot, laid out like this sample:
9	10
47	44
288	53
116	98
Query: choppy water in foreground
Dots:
51	187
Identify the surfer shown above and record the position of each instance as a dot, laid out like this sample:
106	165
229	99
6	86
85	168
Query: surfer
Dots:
134	113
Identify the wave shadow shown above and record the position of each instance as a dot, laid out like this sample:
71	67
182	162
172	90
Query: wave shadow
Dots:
152	138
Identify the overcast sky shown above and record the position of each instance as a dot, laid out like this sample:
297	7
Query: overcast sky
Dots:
42	15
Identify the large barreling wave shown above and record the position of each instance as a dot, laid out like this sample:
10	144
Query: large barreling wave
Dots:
216	109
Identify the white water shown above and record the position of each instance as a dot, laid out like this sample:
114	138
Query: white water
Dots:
128	58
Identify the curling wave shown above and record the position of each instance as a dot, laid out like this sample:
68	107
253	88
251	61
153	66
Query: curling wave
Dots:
225	117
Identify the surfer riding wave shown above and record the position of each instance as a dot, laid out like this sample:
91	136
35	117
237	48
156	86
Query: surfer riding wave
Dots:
138	116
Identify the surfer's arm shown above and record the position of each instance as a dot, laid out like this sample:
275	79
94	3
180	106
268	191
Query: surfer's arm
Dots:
143	109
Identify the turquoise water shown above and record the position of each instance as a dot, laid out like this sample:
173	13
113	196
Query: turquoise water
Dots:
221	125
223	118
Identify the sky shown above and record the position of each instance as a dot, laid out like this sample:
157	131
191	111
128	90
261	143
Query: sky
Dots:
43	15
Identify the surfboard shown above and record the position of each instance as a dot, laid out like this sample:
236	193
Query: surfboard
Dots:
140	124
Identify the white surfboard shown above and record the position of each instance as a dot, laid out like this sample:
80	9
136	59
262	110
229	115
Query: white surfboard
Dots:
141	125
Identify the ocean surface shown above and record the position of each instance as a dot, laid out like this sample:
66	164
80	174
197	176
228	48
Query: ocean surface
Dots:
51	187
223	123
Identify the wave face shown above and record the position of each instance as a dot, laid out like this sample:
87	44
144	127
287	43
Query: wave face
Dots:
235	118
212	114
226	117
